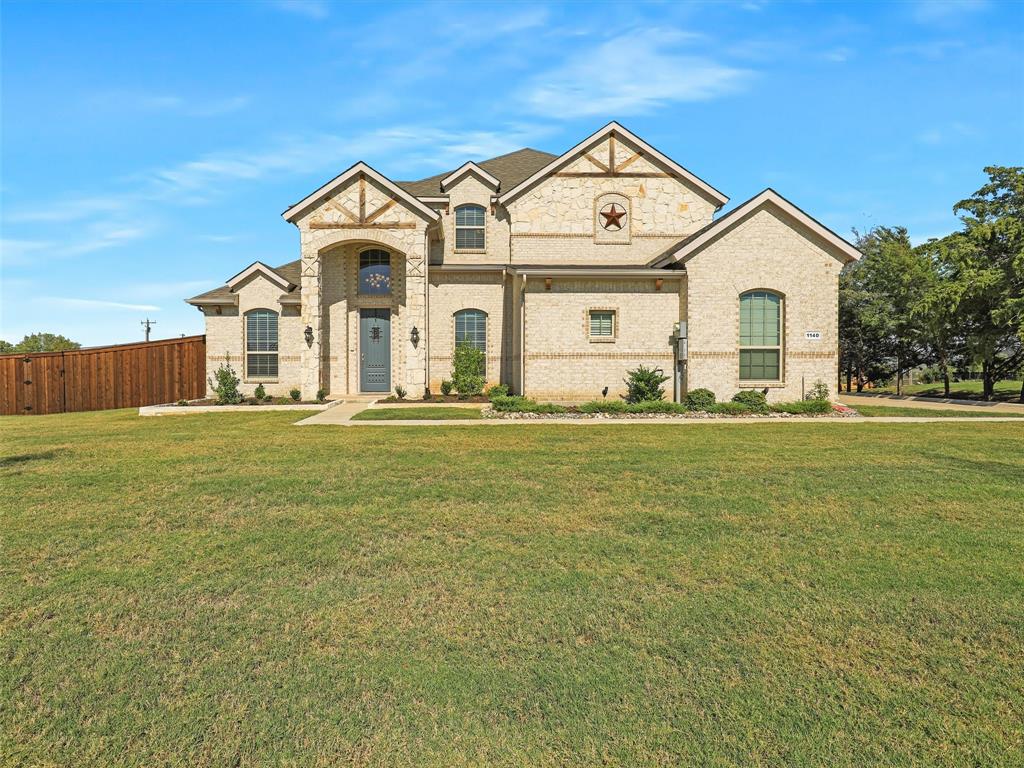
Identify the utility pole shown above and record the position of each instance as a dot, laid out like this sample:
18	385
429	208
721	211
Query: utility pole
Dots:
147	323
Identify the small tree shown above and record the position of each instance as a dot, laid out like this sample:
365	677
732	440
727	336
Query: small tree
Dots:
468	370
225	383
644	384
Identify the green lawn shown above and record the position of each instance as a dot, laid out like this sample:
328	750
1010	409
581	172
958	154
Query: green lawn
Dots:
896	410
961	390
229	590
416	412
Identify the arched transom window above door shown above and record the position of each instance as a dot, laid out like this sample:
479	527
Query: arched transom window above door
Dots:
374	272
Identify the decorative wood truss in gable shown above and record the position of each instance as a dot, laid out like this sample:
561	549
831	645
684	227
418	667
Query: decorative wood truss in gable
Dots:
363	220
611	169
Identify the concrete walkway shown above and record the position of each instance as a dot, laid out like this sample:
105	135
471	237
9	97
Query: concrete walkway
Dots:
937	403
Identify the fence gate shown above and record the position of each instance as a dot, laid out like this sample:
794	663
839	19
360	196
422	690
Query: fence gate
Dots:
122	376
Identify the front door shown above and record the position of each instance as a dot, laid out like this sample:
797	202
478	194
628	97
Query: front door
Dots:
375	350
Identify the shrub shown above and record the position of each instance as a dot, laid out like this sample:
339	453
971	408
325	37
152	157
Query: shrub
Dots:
700	399
731	409
260	393
604	406
818	392
643	384
321	395
803	407
656	406
295	394
183	401
400	392
468	370
520	404
752	398
446	387
498	390
226	386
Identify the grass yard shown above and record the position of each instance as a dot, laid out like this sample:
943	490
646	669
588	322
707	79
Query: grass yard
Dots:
960	390
417	412
897	410
228	590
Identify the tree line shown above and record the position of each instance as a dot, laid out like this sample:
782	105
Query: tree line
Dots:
954	303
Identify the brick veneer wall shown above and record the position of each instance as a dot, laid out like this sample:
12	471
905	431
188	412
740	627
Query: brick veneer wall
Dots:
763	252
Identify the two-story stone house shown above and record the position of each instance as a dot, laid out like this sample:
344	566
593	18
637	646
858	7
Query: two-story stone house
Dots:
565	270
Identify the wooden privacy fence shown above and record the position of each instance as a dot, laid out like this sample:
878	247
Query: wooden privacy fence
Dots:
98	378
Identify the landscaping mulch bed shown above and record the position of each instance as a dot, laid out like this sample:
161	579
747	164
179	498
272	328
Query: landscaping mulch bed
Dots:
573	413
249	401
435	399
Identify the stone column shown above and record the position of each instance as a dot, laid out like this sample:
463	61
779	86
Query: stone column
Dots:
311	317
416	307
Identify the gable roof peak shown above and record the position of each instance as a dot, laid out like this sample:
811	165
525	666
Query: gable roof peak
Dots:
614	127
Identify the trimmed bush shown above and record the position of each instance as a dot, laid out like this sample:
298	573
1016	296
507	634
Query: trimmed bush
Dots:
446	387
644	384
321	395
604	406
700	399
468	370
731	409
498	390
657	406
226	386
752	398
400	392
295	394
813	407
260	393
520	404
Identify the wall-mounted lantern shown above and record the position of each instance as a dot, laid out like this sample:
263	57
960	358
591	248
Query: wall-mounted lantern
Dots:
309	335
414	335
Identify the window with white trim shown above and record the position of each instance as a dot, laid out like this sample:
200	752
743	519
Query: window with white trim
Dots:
760	336
602	323
469	227
261	344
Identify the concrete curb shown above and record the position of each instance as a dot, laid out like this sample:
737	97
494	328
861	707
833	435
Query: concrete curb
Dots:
196	410
689	422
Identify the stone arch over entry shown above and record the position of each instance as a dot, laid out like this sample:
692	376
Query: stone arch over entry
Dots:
331	304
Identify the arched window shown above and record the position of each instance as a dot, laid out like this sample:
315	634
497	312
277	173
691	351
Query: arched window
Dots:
374	272
469	227
261	344
760	336
471	330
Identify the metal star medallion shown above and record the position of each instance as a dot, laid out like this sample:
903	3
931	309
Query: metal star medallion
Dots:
613	215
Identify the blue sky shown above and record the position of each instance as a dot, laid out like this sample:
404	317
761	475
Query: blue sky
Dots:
148	149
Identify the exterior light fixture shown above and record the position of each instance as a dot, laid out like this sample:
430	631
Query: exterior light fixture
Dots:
309	335
414	336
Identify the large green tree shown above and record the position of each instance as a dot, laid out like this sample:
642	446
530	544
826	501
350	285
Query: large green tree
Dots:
985	262
40	342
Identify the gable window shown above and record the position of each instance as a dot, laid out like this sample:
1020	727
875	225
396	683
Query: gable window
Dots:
375	272
469	228
471	330
760	336
602	324
261	344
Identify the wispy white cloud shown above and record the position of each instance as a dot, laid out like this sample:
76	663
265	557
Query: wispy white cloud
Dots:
592	82
943	134
96	237
311	9
121	100
928	49
220	238
100	304
945	11
838	55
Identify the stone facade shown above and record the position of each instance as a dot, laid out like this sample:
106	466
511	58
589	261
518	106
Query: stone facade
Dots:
612	226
